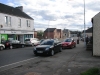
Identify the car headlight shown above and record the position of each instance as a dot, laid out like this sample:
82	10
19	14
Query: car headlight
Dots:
47	49
34	48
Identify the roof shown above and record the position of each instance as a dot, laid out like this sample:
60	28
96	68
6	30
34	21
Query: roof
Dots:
89	30
50	30
65	30
58	30
13	11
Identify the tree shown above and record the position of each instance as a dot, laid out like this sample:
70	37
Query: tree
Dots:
40	33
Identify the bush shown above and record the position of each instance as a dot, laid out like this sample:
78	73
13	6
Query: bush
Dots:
92	71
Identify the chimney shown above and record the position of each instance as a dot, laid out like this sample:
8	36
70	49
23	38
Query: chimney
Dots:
20	7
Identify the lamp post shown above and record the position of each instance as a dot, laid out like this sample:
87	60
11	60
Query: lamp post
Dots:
48	29
84	25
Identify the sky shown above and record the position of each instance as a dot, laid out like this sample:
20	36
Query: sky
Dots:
60	14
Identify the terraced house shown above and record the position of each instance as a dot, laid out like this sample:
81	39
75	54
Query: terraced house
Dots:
15	24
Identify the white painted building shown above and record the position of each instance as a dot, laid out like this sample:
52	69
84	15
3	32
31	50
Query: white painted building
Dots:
15	24
96	34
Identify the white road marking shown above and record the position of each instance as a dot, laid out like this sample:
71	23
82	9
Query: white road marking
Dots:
18	62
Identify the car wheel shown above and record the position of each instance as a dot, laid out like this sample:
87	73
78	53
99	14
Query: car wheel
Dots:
1	48
71	47
60	49
74	45
11	47
35	54
32	44
23	46
52	52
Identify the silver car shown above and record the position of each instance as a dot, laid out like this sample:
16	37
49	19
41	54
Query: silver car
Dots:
32	41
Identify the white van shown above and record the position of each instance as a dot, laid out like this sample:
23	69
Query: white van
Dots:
32	41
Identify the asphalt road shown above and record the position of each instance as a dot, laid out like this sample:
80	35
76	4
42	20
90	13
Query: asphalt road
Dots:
15	55
59	64
68	62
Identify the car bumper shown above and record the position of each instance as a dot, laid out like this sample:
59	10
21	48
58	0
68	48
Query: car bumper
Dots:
68	46
41	52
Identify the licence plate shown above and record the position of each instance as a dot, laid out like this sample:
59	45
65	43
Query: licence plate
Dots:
39	51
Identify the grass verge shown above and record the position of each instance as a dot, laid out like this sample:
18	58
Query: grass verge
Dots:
91	71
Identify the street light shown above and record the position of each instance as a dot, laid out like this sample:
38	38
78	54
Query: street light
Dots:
48	29
84	24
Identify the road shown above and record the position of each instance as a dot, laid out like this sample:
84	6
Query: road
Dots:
68	62
15	55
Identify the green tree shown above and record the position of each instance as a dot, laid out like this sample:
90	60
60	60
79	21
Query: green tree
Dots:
40	34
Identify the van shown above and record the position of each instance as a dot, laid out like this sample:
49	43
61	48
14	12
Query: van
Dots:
32	41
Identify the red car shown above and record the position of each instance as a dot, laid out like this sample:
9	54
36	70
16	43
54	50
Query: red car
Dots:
69	43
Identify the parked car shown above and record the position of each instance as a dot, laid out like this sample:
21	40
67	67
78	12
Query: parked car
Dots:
68	43
12	44
32	41
48	46
7	44
2	46
42	40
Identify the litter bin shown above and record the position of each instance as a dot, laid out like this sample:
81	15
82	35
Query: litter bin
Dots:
77	41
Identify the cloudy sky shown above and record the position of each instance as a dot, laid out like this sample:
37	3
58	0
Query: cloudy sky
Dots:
60	14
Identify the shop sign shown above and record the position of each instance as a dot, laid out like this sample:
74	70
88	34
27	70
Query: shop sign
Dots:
13	31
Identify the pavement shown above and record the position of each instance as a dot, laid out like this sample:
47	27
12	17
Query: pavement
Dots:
81	61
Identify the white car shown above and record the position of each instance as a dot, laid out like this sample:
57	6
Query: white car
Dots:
2	46
32	41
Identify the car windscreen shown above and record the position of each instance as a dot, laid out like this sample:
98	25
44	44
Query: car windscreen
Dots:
47	42
67	40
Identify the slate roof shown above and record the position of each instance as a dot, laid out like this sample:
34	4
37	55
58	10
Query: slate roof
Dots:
13	11
89	30
50	30
65	30
58	30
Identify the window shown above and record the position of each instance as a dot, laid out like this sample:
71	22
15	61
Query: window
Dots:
19	22
8	21
28	23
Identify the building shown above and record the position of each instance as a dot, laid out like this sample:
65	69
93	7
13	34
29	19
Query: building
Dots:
35	34
59	33
66	33
15	24
96	34
88	32
53	33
